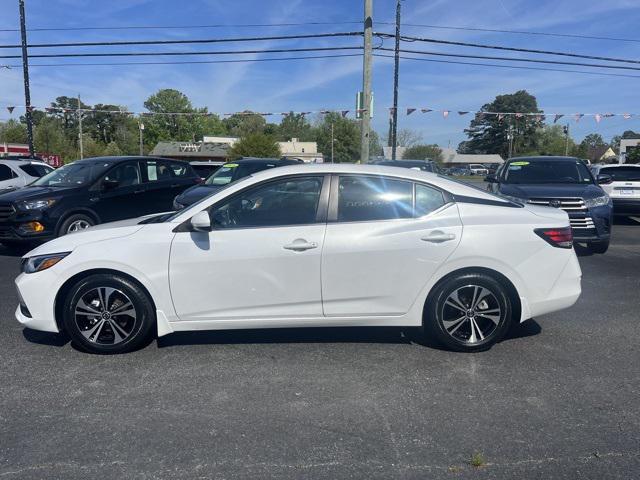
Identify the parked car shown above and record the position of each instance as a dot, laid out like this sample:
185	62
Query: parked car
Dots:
491	167
560	182
624	188
91	191
205	169
478	169
229	172
424	165
16	172
309	246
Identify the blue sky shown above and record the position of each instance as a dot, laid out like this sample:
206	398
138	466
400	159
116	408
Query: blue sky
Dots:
332	83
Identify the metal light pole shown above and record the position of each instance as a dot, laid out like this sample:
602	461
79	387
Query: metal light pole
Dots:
396	68
366	81
25	72
141	129
332	141
566	140
80	142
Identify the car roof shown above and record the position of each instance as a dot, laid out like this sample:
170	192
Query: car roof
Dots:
277	161
115	160
614	165
24	161
544	158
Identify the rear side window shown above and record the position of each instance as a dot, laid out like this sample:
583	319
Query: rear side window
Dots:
35	170
6	173
622	174
181	170
158	171
427	200
362	198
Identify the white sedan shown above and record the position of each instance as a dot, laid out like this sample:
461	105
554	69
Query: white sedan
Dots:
309	246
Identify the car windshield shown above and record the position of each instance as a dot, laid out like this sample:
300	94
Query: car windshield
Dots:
233	171
622	174
547	172
73	175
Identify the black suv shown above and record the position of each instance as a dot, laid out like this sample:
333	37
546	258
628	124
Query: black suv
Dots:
229	172
91	191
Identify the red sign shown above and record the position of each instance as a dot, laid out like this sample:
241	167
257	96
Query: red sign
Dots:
23	150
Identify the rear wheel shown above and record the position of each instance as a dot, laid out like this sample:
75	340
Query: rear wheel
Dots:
108	314
598	247
469	312
75	223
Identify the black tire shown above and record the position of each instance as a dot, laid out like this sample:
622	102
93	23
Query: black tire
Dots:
481	325
598	247
133	329
75	219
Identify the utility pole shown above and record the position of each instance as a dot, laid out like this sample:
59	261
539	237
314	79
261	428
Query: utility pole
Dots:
366	80
80	144
332	141
25	72
396	68
141	129
566	140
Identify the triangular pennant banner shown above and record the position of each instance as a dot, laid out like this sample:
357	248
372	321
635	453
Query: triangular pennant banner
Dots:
11	109
426	110
608	115
518	115
500	116
344	113
462	113
578	116
626	116
597	117
557	117
410	111
445	113
324	112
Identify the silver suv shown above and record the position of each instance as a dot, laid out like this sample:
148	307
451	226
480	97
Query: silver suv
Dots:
16	172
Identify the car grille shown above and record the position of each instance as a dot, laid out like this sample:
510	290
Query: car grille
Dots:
566	204
585	222
6	210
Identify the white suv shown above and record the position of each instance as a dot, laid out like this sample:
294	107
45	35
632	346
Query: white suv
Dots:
16	172
624	188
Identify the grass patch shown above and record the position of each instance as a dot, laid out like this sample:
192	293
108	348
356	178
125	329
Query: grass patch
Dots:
477	460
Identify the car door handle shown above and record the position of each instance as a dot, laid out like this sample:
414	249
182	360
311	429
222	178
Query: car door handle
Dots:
300	245
439	237
139	191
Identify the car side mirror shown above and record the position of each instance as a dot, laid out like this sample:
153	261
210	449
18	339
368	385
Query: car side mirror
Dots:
604	179
108	184
491	178
201	222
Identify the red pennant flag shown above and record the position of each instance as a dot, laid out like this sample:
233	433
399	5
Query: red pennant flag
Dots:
557	117
626	116
518	115
344	113
29	109
445	113
462	113
11	109
597	117
426	110
578	116
410	111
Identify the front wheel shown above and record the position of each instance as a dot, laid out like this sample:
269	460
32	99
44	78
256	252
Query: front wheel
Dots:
598	247
76	223
108	314
468	312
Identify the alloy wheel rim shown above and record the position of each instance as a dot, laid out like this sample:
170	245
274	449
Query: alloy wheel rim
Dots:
78	225
471	314
105	316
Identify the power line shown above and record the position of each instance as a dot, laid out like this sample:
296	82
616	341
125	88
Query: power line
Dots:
511	49
513	59
189	62
520	67
179	54
517	32
181	27
184	42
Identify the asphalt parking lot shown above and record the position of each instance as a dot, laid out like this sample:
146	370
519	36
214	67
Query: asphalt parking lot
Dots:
558	399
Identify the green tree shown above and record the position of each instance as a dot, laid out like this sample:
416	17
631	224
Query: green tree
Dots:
424	152
92	148
49	136
633	155
245	123
294	125
13	131
488	133
346	135
375	147
551	140
112	150
255	145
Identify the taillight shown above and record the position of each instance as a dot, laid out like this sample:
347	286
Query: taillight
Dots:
558	237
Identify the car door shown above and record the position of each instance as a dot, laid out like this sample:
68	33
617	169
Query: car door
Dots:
162	184
262	258
385	238
118	195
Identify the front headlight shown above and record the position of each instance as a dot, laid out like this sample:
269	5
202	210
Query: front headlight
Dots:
41	262
597	202
36	204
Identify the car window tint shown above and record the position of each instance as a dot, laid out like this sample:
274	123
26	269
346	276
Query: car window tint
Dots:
292	201
180	169
362	198
158	171
35	170
126	175
428	199
622	174
6	173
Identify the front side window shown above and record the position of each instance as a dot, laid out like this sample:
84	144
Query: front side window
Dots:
125	175
292	201
362	198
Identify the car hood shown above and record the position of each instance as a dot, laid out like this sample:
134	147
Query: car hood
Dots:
197	193
555	190
99	233
33	193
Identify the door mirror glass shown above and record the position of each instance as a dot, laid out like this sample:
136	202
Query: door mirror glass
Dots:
491	178
604	179
201	222
110	184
